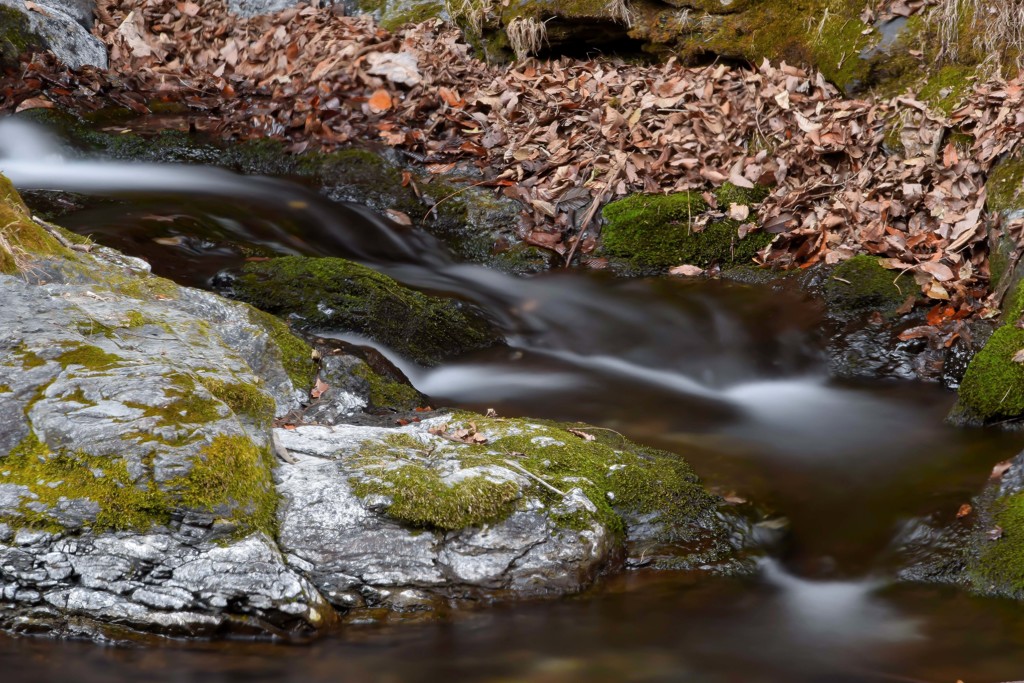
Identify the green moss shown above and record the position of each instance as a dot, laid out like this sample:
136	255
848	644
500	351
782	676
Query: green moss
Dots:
861	283
420	498
617	476
20	237
1005	185
1002	561
296	356
946	88
338	294
186	405
993	386
15	35
27	357
5	389
134	319
387	393
729	194
54	477
90	357
233	477
656	230
244	398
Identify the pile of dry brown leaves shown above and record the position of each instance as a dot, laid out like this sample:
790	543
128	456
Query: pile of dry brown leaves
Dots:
566	136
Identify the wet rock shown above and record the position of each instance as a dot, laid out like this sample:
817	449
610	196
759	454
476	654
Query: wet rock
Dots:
62	26
374	513
252	8
983	551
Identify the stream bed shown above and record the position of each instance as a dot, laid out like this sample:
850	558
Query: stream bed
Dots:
731	376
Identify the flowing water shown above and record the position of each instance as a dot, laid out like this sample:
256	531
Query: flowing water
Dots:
729	375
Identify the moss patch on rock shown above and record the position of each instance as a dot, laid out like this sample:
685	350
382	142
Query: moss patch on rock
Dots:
387	393
244	398
862	284
231	477
16	37
1001	562
1005	185
657	231
296	355
340	295
618	476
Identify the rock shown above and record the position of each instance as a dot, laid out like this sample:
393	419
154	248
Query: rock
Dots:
342	296
62	26
983	551
252	8
135	481
657	231
375	513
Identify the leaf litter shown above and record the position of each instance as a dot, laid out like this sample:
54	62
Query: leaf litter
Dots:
565	136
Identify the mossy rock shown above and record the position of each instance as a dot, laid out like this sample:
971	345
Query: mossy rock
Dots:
393	14
21	239
335	294
622	479
992	389
861	284
16	37
657	231
998	566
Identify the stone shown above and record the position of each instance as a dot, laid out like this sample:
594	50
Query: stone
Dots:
62	26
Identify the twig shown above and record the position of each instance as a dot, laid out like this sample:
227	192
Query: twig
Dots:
279	449
438	203
531	475
57	235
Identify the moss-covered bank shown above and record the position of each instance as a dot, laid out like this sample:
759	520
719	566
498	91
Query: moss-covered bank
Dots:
861	284
335	294
20	237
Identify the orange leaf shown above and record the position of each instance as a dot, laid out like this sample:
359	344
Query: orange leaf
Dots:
380	101
451	98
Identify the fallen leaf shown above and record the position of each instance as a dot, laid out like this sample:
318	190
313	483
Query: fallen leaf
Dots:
582	434
1000	469
739	212
380	101
686	270
964	510
995	533
319	388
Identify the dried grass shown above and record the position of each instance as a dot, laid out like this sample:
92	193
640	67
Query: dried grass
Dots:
472	12
620	11
526	36
996	27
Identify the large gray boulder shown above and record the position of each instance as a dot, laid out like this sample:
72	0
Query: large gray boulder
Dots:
62	26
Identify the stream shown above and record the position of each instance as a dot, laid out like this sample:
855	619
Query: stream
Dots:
731	376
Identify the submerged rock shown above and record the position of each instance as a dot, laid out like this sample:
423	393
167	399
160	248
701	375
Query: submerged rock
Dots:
454	508
60	26
342	296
